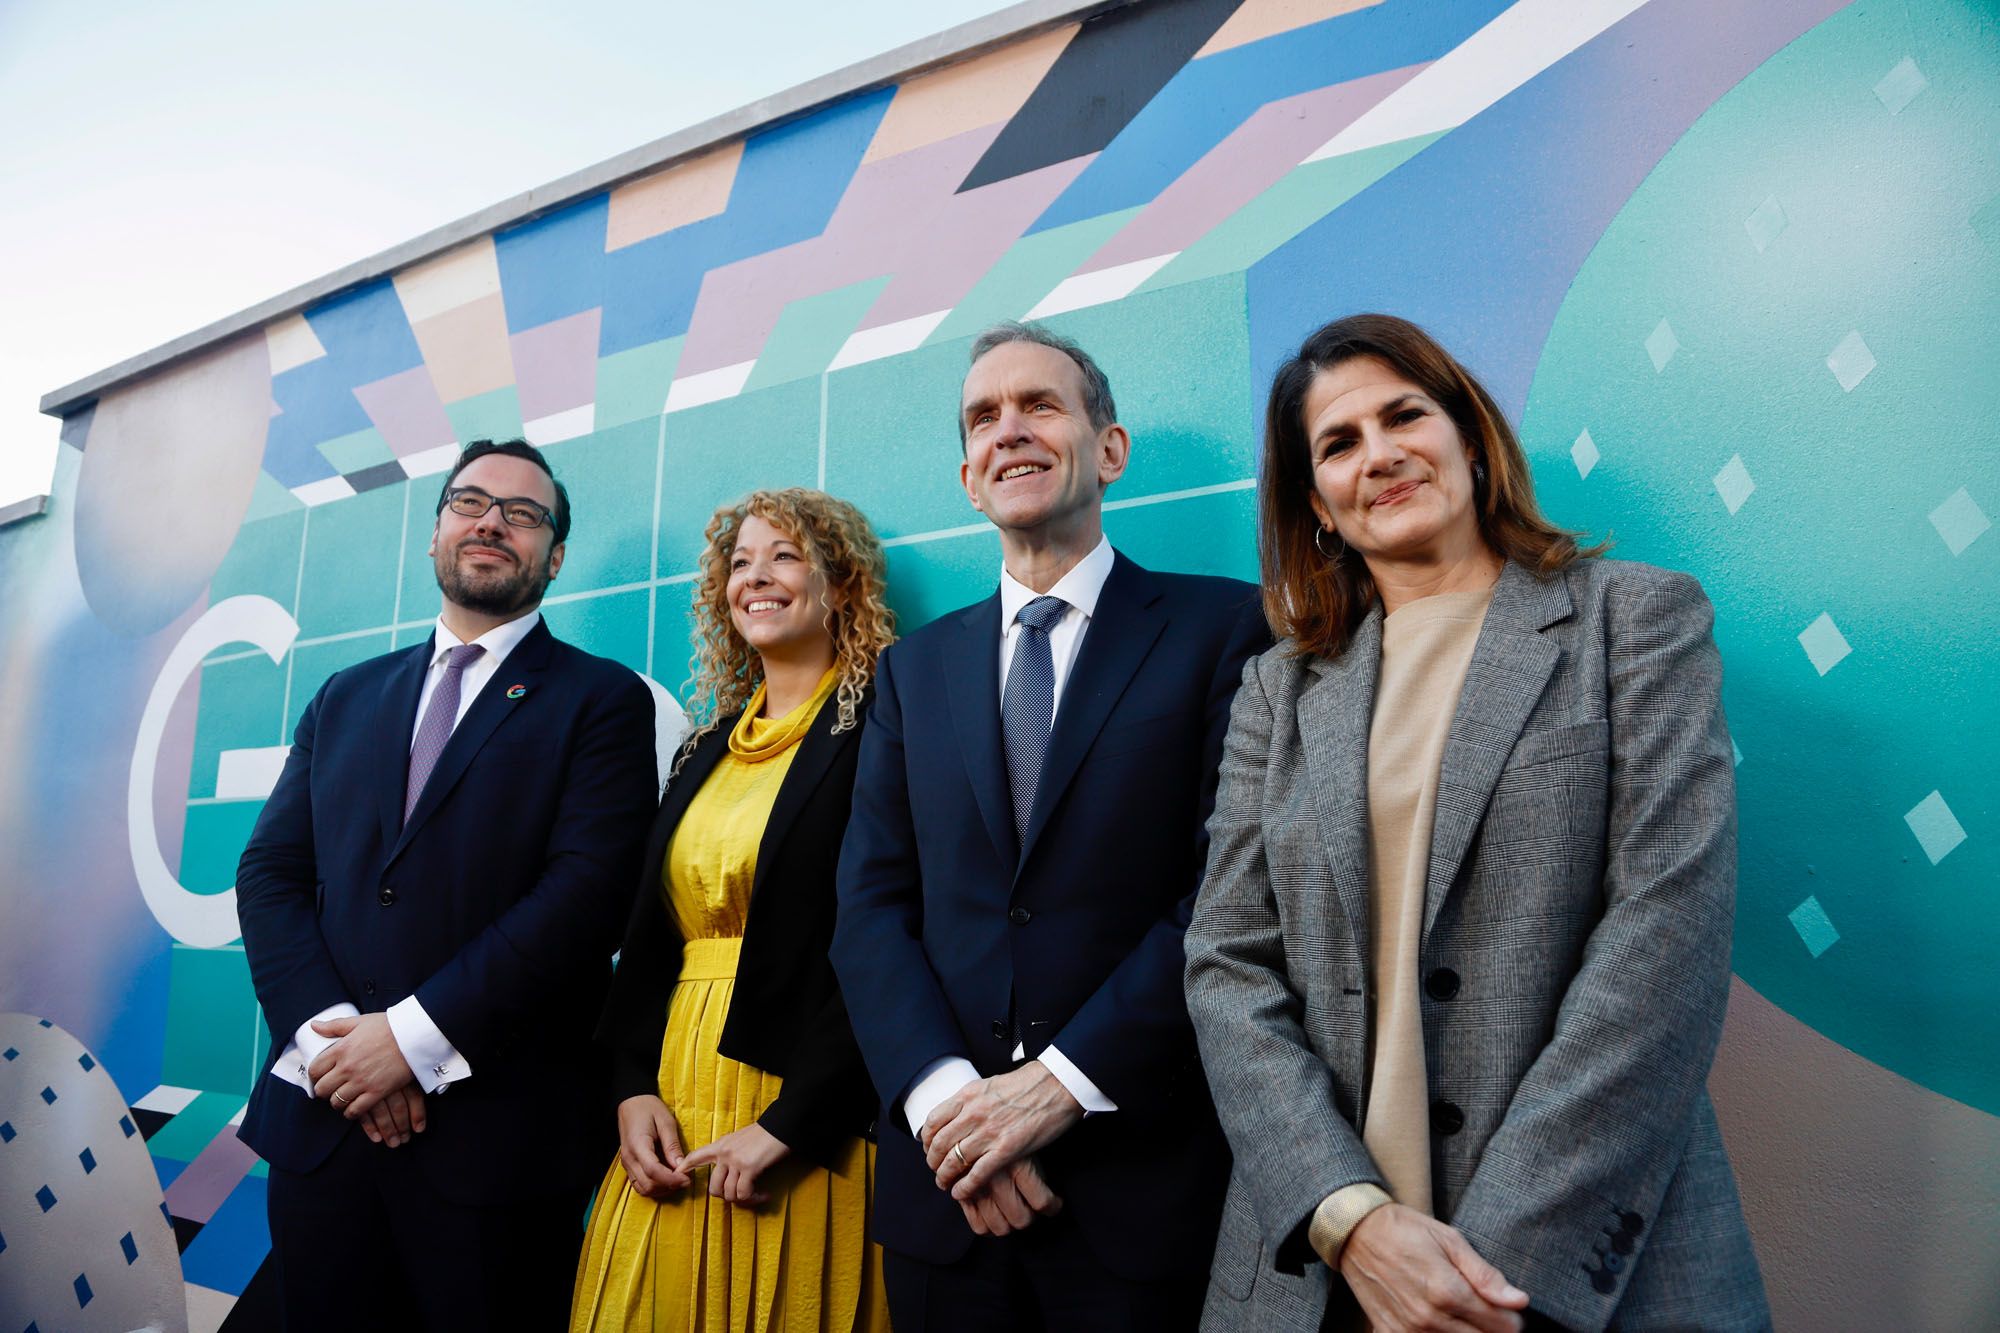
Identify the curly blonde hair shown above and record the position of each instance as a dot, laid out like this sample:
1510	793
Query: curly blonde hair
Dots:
843	550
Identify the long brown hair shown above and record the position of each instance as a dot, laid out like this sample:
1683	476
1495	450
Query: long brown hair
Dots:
1318	602
843	550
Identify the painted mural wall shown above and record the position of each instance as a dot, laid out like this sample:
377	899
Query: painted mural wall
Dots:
1734	267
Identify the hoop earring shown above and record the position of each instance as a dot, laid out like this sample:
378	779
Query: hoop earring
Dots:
1478	474
1318	546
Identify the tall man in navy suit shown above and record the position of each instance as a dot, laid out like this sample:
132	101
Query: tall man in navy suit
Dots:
1025	846
429	903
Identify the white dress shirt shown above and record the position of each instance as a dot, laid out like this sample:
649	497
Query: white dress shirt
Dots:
1080	588
429	1053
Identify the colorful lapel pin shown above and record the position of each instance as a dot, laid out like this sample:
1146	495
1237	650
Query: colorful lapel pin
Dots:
516	691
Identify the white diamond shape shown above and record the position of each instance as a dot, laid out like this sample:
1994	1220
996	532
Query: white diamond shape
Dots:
1584	454
1765	222
1900	86
1825	645
1937	828
1960	521
1733	483
1814	926
1661	344
1850	361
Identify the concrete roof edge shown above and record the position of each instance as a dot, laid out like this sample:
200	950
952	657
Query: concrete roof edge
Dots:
27	507
1026	19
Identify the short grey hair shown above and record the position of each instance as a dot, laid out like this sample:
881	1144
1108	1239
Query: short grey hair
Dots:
1097	404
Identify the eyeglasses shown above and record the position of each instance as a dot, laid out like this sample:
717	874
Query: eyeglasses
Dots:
518	510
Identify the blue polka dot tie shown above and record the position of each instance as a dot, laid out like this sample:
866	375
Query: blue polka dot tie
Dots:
440	716
1028	704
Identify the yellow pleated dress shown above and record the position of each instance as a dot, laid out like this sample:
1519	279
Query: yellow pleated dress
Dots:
692	1261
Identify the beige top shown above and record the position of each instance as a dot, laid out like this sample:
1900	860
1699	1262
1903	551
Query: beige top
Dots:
1426	648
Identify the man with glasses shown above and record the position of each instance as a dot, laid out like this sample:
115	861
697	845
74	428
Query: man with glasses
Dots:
429	903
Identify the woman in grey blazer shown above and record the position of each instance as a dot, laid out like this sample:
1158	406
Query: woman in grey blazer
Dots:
1459	965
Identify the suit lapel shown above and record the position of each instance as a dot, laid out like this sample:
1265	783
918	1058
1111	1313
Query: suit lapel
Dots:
1123	630
1511	665
1335	713
395	724
971	659
493	706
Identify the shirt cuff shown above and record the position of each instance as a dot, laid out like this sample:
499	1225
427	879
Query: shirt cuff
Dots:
1088	1095
433	1059
1337	1216
305	1046
941	1078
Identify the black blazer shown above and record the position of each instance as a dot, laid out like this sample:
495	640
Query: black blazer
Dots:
786	1016
497	904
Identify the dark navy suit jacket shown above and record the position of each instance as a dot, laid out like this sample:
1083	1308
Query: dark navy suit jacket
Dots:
952	935
498	904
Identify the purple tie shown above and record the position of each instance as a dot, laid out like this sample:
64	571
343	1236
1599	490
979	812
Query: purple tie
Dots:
439	718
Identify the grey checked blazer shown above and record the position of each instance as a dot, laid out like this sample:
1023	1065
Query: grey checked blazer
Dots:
1575	961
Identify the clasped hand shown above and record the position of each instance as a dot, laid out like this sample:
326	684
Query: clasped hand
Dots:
1412	1272
366	1078
649	1148
981	1142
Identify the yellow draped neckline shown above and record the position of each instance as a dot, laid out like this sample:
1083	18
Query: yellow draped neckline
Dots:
756	738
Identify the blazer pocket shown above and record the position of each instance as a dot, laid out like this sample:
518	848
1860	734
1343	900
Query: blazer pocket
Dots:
1540	747
1239	1249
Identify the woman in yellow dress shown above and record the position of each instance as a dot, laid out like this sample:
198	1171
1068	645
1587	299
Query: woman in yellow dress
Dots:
740	1195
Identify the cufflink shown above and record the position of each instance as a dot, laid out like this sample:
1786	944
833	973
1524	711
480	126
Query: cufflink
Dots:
440	1070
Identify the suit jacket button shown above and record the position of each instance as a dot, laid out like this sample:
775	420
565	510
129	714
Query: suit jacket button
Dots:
386	897
367	988
1446	1118
999	1029
1441	984
1020	916
1604	1283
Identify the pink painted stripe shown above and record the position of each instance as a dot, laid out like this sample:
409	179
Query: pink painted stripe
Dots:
555	364
199	1190
405	408
1254	157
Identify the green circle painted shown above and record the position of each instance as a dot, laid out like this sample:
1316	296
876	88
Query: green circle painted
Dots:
1778	370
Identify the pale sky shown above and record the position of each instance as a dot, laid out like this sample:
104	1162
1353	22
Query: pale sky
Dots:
165	165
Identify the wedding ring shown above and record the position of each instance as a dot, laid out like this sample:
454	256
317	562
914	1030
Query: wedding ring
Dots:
958	1151
339	1100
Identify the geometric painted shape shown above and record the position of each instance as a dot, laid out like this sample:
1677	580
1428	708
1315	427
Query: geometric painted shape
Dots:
199	1190
810	332
182	1138
1959	521
1900	86
985	90
1103	78
249	775
1937	828
1825	645
291	343
1815	928
1300	198
74	1193
1584	454
456	278
632	384
708	386
356	450
555	364
684	192
493	415
560	426
465	348
406	410
167	1099
1661	344
1255	20
1733	483
325	491
886	340
1099	286
1765	222
1026	273
1850	361
1525	39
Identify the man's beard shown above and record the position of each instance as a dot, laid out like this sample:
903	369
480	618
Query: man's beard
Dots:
491	592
